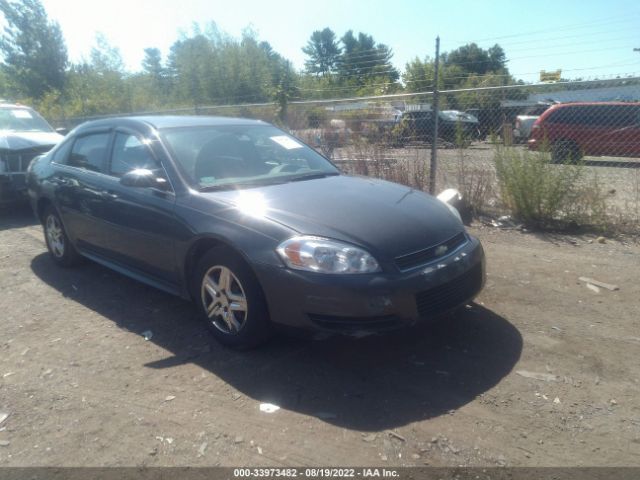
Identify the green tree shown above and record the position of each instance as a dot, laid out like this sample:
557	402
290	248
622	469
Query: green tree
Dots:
153	77
361	55
285	89
152	63
364	62
323	52
105	57
473	59
33	48
190	65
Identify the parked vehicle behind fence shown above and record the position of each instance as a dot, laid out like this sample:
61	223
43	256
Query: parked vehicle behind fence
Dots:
572	130
453	126
524	123
24	135
256	227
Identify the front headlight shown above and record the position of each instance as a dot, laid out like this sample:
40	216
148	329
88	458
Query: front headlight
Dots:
321	255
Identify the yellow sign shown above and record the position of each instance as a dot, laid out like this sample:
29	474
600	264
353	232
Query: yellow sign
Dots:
550	76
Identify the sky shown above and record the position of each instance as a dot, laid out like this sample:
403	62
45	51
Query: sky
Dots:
586	39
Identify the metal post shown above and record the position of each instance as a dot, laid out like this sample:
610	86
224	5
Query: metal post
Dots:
434	141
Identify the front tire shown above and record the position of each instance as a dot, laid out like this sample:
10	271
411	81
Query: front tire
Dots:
230	299
60	248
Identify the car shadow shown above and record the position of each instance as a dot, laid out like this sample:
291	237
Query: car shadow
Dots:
16	215
369	384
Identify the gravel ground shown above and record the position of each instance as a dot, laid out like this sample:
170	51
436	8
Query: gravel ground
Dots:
541	370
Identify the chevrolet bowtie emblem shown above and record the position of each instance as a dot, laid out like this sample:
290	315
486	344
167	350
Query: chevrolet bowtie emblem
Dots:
441	250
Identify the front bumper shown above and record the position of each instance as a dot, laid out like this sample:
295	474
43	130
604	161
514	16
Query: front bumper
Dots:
375	302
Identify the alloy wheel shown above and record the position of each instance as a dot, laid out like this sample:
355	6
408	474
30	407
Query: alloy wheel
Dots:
55	236
224	300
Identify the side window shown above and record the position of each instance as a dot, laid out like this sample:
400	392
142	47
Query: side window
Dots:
562	115
62	153
623	116
130	153
88	152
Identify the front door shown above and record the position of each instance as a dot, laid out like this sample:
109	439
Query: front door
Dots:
141	221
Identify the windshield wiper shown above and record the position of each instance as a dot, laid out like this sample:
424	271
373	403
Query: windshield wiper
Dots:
312	176
266	182
235	185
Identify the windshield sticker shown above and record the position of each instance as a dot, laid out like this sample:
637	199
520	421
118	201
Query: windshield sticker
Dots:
21	113
286	142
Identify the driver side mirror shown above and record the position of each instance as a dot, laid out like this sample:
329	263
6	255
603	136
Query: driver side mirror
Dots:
143	178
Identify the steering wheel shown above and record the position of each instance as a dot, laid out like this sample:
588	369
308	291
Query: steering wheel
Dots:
286	168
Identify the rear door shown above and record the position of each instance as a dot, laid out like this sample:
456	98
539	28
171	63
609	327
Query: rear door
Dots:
78	186
624	131
586	128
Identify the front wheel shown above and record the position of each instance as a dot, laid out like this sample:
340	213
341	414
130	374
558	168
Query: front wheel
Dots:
230	299
60	248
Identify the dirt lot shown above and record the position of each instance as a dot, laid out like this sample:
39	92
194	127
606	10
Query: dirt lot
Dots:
83	387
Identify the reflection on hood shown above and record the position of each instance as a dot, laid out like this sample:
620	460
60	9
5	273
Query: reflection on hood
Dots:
10	140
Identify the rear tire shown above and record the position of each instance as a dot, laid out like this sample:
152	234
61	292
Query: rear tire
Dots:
60	248
230	299
566	151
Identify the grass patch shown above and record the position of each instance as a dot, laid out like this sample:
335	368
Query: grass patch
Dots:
546	195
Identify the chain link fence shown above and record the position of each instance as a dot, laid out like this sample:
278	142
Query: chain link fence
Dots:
508	149
549	151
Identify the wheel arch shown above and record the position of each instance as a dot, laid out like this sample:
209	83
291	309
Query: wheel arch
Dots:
573	144
198	249
42	204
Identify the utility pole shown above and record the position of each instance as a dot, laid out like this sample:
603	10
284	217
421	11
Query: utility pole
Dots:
434	141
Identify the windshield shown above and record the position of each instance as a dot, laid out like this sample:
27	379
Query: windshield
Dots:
230	156
22	120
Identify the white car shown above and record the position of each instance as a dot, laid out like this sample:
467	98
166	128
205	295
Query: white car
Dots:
524	123
24	135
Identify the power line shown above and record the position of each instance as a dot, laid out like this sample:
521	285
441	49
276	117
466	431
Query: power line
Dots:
556	45
577	26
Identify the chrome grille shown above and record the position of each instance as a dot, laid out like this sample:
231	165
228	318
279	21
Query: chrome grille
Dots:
415	259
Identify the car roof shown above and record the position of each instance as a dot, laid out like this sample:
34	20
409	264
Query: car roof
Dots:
592	104
171	121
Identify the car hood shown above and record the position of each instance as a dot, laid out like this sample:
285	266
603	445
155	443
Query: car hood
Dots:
387	218
10	140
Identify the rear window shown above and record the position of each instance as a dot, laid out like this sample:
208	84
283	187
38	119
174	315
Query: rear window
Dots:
89	151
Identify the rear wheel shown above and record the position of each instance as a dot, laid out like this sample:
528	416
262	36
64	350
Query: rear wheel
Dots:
566	151
230	299
60	248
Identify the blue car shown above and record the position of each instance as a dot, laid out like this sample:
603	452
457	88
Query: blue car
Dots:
254	226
